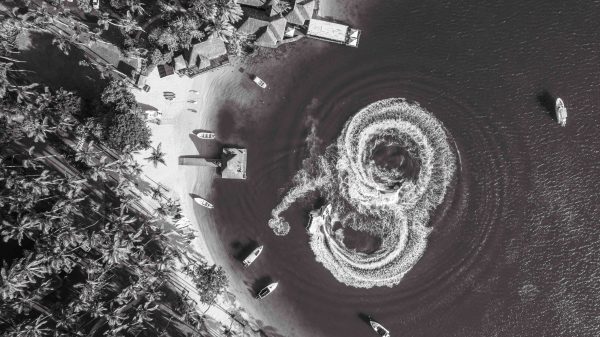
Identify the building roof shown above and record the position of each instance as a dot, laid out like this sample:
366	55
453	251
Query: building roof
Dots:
252	25
201	53
327	30
267	39
252	3
179	63
277	26
165	70
301	12
234	163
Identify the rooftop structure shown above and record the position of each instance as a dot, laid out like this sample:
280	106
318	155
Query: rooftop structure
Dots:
165	70
202	57
233	163
333	32
301	12
269	32
252	3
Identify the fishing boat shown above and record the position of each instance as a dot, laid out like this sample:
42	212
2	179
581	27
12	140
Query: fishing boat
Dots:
205	135
264	292
203	202
561	112
250	258
379	329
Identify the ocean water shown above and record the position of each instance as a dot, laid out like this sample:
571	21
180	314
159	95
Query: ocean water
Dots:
514	247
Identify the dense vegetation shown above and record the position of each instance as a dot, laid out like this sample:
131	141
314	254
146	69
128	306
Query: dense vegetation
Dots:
81	254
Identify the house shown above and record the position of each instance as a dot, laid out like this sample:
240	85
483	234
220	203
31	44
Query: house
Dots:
301	12
203	56
269	31
165	70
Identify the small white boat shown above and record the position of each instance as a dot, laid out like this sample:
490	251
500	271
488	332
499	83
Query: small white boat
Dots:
250	258
379	329
561	112
203	202
266	290
259	82
205	135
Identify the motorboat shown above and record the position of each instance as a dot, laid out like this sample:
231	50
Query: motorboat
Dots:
379	329
561	112
205	135
259	82
264	292
252	256
203	202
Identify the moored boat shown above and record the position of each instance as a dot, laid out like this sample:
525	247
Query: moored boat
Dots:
203	202
379	329
259	82
252	256
264	292
205	135
561	112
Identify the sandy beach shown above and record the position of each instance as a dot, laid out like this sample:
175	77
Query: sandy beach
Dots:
192	109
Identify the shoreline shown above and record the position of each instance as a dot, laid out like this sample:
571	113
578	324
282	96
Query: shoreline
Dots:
177	124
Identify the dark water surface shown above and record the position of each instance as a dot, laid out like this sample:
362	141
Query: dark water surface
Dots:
515	247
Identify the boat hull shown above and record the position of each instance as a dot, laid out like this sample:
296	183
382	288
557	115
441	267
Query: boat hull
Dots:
253	256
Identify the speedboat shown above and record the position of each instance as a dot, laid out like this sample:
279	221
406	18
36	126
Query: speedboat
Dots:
379	329
205	135
250	258
264	292
203	202
259	82
561	112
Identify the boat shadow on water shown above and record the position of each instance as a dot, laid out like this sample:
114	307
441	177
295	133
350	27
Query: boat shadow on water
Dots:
547	101
243	249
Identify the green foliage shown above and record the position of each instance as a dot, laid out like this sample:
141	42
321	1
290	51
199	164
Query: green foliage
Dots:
128	131
85	5
210	281
117	97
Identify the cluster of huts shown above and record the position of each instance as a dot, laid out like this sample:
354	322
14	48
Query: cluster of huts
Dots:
269	27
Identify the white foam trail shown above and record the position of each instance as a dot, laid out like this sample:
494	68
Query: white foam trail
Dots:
373	199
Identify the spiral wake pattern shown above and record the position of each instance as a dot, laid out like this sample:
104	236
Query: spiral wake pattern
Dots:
388	170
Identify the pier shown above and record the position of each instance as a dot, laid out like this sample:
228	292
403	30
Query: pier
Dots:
333	32
232	162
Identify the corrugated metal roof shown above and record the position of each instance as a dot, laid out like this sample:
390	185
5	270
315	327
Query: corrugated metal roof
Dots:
328	30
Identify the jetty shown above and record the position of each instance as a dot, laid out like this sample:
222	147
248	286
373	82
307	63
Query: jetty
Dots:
232	164
333	32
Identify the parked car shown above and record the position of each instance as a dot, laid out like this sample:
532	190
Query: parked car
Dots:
146	88
259	82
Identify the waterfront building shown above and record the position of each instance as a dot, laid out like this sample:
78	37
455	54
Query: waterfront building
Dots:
333	32
233	163
202	57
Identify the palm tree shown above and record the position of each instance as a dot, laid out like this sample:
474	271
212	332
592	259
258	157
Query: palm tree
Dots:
37	129
136	6
223	29
127	23
62	44
280	6
231	11
104	21
157	156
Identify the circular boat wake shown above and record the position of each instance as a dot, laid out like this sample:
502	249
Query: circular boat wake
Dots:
389	169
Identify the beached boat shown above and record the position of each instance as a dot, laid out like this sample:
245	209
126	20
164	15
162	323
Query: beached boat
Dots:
205	135
259	82
203	202
561	112
264	292
379	329
252	256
